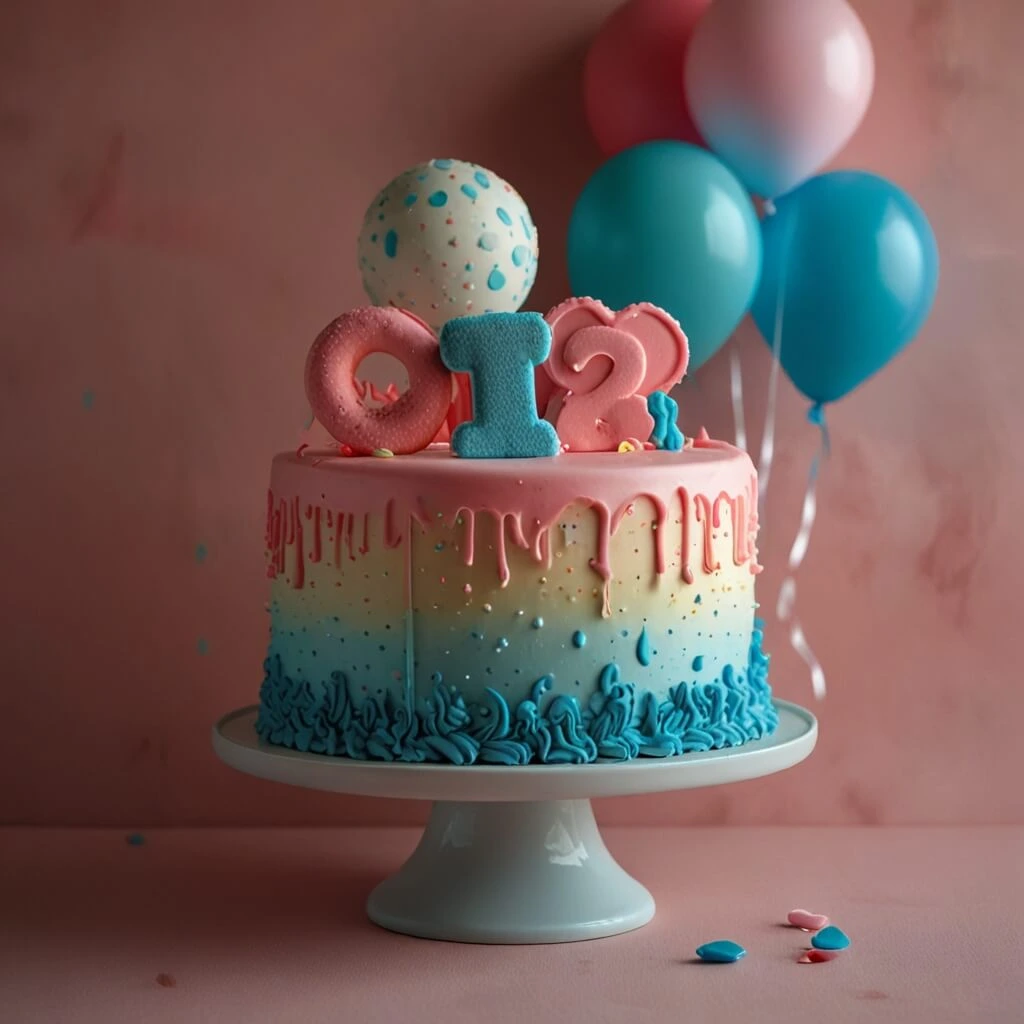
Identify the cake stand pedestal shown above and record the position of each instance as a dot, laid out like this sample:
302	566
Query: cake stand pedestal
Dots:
512	855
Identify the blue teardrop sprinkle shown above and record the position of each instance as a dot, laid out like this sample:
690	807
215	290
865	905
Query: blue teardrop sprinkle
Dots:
503	216
643	648
579	638
698	663
391	244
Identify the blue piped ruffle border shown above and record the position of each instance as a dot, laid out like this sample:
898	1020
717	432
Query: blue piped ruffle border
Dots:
619	722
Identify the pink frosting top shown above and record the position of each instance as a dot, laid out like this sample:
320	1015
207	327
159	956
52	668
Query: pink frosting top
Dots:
526	495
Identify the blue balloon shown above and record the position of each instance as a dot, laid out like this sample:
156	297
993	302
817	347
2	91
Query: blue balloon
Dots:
851	265
668	223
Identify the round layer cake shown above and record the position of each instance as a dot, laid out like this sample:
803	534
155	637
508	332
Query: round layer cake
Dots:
508	611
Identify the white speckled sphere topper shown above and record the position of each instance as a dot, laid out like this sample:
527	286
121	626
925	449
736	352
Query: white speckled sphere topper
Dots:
447	238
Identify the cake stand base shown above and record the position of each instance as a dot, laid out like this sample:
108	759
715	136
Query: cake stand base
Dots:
511	873
513	855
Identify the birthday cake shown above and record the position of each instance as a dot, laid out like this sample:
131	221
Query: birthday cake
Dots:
519	558
560	608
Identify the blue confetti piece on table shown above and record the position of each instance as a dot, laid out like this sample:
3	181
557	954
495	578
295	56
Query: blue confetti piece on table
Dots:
721	952
201	553
203	645
831	938
135	839
88	399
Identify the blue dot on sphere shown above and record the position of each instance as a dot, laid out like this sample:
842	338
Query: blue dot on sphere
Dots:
496	280
482	180
438	198
503	216
391	244
468	190
488	241
410	199
442	164
520	254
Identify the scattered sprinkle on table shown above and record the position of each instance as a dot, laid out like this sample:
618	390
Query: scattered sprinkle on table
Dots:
721	952
817	956
806	920
135	839
383	453
166	980
830	938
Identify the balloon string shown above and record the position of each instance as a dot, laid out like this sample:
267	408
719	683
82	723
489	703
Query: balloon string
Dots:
764	465
736	382
786	604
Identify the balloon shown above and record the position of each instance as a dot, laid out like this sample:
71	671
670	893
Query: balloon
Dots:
853	262
668	223
632	90
447	238
777	87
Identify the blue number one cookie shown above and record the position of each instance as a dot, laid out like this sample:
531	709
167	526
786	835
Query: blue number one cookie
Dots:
499	352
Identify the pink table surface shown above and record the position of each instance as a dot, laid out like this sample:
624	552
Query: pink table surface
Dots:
268	925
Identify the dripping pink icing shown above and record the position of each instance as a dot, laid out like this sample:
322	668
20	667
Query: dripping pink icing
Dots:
365	545
316	553
707	517
392	536
503	570
300	561
532	493
350	523
660	512
684	519
469	518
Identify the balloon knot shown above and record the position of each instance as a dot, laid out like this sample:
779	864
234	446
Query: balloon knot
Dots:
816	414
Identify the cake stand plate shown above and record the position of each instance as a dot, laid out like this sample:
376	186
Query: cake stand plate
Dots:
513	855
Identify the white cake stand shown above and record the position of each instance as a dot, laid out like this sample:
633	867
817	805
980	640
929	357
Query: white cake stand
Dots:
512	855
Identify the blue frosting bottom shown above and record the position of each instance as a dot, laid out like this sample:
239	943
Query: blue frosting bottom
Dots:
619	722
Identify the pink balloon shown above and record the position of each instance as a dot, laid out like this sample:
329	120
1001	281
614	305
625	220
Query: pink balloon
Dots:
631	79
777	87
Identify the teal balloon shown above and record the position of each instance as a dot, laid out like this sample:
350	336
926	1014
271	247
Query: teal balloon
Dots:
668	223
851	267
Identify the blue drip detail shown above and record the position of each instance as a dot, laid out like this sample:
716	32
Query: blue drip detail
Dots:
619	722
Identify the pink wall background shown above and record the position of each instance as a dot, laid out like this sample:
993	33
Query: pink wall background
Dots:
180	188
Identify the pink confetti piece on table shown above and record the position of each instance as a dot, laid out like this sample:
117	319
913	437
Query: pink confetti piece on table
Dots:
806	920
817	956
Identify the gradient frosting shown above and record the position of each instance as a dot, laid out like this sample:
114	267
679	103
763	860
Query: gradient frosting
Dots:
558	610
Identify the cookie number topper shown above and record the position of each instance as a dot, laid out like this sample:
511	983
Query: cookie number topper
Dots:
604	364
600	365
